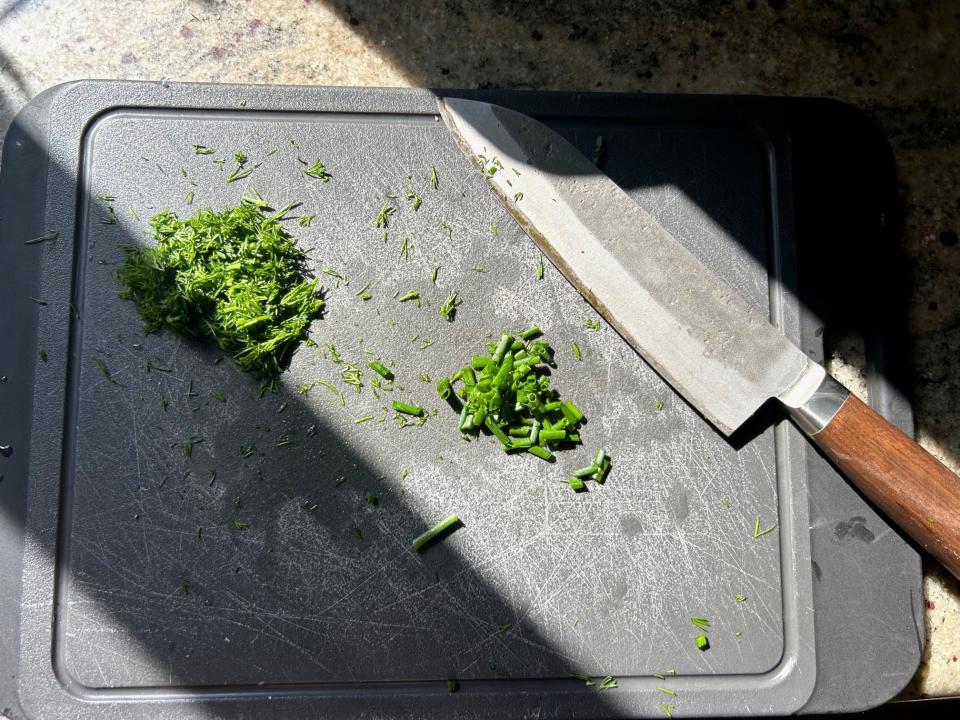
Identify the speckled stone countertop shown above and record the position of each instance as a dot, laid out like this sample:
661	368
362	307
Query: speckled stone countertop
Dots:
897	61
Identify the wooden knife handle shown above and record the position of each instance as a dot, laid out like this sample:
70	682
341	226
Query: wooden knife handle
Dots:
904	480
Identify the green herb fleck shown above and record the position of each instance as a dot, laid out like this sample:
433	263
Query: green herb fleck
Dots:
449	307
219	395
372	498
239	525
740	598
599	152
203	150
383	218
449	229
440	529
576	352
365	418
317	170
416	199
452	685
591	324
517	197
702	642
538	270
700	623
305	220
434	178
104	370
667	709
48	236
42	355
411	295
188	446
608	683
758	533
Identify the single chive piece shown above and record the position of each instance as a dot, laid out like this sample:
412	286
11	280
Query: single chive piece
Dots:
725	502
386	212
666	691
433	276
305	220
411	295
42	354
572	411
541	452
506	627
239	525
449	229
552	435
365	418
405	248
601	475
372	498
517	196
203	150
531	332
739	598
608	683
493	230
700	623
452	685
758	533
380	369
434	178
38	301
317	170
506	341
188	199
599	458
362	290
576	484
498	433
521	431
188	446
591	324
667	709
535	432
332	388
186	586
521	443
576	351
702	642
539	268
104	370
219	395
449	307
447	524
417	200
585	472
659	405
585	679
407	409
444	388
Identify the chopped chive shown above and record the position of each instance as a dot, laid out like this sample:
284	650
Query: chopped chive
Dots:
539	268
42	354
417	200
585	472
407	409
599	458
188	446
702	642
449	229
591	324
666	691
517	196
452	685
576	351
239	525
540	452
203	150
434	178
506	627
380	369
531	332
442	527
332	388
383	219
659	405
363	419
700	623
443	388
576	484
104	370
305	220
667	709
372	498
38	301
739	598
433	276
411	295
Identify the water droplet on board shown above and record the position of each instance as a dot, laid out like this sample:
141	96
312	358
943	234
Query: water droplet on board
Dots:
3	379
6	450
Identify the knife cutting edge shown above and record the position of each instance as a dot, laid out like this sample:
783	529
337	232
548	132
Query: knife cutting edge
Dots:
700	334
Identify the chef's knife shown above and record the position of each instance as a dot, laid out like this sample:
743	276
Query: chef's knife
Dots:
708	342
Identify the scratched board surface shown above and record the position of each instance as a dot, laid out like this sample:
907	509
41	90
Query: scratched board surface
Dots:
216	568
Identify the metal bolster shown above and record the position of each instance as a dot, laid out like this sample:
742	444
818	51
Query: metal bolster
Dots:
817	412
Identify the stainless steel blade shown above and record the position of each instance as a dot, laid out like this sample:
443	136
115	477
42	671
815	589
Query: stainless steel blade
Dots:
708	342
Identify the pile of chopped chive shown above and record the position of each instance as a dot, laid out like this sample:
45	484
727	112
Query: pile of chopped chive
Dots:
508	393
234	277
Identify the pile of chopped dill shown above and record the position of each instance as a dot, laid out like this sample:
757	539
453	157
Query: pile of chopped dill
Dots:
234	277
508	393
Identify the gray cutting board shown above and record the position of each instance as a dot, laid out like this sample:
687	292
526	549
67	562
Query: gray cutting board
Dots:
318	605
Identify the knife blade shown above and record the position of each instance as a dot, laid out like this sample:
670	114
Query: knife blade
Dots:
695	330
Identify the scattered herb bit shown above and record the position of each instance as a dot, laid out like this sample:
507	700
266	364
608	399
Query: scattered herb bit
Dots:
608	683
478	269
188	447
434	178
504	628
203	150
357	532
599	152
164	403
417	200
365	418
446	525
188	199
104	370
110	218
42	355
411	295
317	170
667	709
539	268
383	219
305	220
234	277
219	395
38	301
452	685
739	598
186	586
576	352
702	642
334	274
407	409
591	324
758	533
517	197
659	405
435	274
494	231
725	502
449	229
48	236
380	369
372	498
449	307
585	679
239	525
351	375
240	171
247	450
666	691
405	248
700	623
